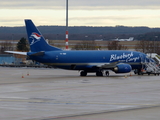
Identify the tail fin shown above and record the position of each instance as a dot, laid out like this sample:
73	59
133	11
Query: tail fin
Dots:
36	40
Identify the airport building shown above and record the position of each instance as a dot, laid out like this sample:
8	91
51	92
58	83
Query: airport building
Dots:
9	59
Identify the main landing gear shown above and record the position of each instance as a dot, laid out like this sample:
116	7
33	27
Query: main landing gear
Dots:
83	73
98	73
107	73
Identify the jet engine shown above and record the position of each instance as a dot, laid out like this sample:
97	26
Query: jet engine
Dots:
122	68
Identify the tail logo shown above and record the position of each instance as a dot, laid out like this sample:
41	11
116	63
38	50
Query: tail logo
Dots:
35	38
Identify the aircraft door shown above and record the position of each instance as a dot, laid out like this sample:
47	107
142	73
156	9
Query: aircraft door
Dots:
142	58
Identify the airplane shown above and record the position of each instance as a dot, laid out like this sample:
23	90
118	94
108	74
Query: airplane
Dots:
129	39
85	61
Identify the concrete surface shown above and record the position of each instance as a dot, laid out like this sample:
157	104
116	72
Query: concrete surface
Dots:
47	94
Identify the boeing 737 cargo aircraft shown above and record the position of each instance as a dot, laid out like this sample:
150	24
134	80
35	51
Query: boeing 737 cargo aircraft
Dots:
86	61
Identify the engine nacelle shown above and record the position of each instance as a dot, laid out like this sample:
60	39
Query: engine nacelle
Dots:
122	68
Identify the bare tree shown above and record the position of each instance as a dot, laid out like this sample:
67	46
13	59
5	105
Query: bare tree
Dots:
156	47
114	45
86	45
6	45
141	46
148	46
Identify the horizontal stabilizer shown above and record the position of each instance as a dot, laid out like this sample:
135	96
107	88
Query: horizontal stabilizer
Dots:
16	52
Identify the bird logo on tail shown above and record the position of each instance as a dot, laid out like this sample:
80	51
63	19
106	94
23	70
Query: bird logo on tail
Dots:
35	38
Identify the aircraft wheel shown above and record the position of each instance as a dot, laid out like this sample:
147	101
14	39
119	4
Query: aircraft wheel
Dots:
140	73
107	73
149	73
83	73
135	71
99	73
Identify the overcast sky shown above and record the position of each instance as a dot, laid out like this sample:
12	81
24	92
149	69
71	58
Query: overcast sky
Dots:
81	12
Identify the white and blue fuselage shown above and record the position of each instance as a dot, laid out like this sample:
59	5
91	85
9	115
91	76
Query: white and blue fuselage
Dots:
90	60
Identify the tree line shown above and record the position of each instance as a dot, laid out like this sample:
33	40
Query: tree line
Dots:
83	32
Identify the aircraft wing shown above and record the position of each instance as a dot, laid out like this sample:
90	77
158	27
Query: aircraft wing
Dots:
117	67
107	65
15	52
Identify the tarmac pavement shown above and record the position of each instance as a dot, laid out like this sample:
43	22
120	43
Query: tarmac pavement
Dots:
46	94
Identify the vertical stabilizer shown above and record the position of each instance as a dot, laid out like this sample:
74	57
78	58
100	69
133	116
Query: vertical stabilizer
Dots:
36	40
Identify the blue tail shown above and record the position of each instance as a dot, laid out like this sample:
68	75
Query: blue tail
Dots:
36	40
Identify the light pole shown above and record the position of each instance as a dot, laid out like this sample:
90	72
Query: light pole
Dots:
12	42
66	24
154	42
